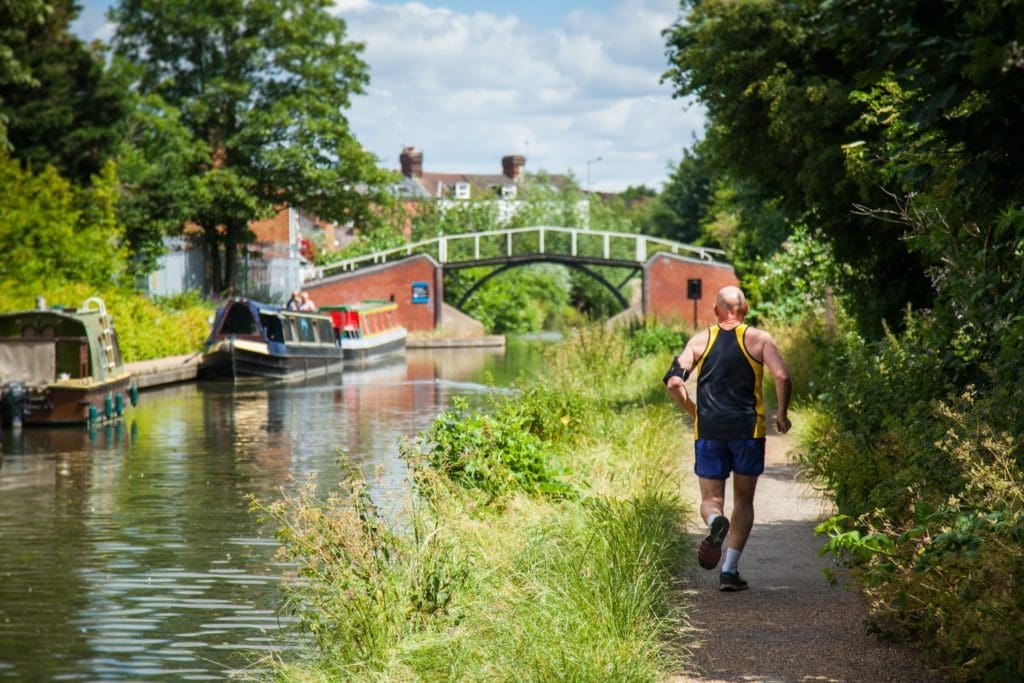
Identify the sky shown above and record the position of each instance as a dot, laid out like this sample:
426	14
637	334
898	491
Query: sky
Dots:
573	86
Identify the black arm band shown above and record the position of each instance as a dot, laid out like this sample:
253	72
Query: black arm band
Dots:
676	370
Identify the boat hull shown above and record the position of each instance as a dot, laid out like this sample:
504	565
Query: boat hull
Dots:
237	359
369	350
69	402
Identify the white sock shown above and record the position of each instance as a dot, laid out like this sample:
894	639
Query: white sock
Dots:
712	517
732	560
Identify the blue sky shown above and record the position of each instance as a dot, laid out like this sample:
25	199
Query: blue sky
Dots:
469	81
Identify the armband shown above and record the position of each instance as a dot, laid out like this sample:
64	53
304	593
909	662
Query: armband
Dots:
676	370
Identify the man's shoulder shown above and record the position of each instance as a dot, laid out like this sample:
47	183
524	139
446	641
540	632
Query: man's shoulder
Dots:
699	337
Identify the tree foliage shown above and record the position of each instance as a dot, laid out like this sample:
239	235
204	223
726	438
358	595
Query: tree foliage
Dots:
263	86
65	107
54	230
779	112
15	16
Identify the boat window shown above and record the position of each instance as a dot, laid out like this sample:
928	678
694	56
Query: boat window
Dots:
326	331
288	325
72	356
239	320
272	327
28	332
307	331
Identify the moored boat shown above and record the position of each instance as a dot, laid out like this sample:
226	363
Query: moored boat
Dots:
368	331
252	339
62	366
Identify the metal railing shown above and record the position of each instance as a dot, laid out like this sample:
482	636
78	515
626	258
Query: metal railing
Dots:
614	247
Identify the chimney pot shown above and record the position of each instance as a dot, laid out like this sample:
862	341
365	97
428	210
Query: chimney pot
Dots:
512	165
412	162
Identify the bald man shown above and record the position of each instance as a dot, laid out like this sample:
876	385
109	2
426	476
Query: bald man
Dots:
729	425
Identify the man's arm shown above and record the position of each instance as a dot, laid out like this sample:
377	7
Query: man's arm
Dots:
677	390
783	386
687	360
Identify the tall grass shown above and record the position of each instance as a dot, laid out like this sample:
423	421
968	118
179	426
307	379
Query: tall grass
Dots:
514	582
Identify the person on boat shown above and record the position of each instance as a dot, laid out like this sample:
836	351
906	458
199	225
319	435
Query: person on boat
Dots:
307	303
729	424
295	301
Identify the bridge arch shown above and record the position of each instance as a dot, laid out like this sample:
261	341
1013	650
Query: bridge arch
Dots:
523	261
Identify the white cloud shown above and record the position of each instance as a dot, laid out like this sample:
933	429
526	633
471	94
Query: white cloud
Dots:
469	88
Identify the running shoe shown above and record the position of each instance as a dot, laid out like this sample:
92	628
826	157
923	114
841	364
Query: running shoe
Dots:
731	581
710	551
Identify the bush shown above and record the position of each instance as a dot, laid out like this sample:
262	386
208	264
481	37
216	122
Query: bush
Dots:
928	481
652	337
950	573
494	453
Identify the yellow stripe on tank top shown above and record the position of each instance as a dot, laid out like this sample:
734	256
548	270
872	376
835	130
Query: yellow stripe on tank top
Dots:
758	368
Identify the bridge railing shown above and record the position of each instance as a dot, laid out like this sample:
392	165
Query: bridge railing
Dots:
503	244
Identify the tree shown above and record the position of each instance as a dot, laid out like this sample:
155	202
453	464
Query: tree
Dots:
66	108
157	189
15	15
684	201
263	85
779	105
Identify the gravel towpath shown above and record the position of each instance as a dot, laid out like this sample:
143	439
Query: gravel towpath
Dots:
790	625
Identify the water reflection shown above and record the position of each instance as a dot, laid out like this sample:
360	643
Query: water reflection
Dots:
129	551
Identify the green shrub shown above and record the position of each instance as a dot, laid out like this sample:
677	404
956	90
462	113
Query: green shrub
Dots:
654	338
495	453
928	478
950	574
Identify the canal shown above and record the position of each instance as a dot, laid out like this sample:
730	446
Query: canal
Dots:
129	552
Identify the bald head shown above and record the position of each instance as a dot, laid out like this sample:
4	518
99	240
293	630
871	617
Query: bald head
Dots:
731	304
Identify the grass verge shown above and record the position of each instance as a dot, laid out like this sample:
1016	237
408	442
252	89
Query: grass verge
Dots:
541	540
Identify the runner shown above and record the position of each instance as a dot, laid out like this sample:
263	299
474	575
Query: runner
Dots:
729	426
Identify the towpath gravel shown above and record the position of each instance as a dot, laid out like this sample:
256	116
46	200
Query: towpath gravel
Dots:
790	625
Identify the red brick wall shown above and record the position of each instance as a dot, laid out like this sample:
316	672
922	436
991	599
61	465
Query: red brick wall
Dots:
273	229
384	281
665	281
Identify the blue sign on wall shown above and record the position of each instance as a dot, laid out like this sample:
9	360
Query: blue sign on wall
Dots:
420	293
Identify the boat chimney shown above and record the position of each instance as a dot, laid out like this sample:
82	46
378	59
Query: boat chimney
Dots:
40	303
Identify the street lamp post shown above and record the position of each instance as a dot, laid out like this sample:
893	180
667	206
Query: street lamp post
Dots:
590	161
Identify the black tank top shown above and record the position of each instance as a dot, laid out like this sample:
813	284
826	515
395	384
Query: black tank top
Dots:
729	401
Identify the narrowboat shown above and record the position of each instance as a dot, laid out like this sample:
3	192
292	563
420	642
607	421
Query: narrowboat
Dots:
368	331
61	366
253	339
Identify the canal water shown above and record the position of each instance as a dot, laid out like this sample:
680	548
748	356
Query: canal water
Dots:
130	553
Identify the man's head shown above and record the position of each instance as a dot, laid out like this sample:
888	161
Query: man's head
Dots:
730	304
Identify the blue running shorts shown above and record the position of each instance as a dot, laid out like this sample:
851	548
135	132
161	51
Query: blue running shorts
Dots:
717	458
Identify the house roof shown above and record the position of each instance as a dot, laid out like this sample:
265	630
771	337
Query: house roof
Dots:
419	184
